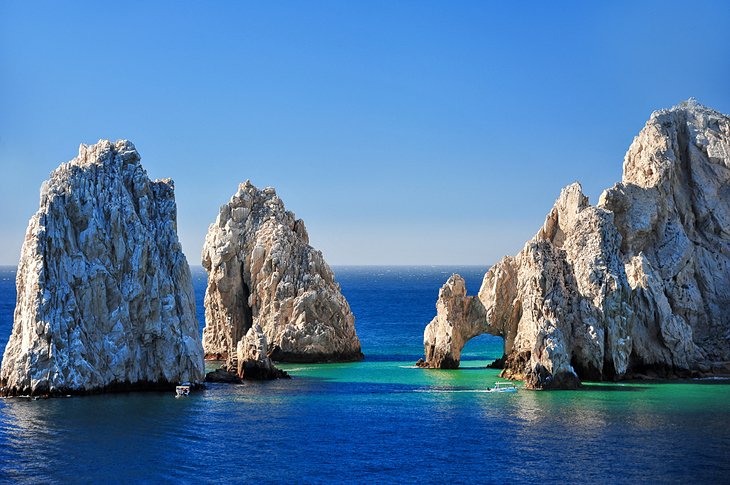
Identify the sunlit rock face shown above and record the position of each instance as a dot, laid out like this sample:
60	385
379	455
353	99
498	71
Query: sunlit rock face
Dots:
104	294
262	271
672	209
636	284
252	355
458	319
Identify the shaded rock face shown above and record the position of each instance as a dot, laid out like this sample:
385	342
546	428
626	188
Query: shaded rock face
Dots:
104	294
263	272
636	283
223	375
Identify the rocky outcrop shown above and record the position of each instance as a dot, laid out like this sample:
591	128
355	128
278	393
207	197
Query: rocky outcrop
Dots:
253	361
672	209
104	294
458	319
223	375
263	272
633	285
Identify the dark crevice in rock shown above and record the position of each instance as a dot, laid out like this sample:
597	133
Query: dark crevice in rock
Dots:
246	310
585	370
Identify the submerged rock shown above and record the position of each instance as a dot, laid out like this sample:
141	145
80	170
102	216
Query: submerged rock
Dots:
104	294
638	282
263	273
223	375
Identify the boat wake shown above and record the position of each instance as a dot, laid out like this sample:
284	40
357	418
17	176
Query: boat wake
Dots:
498	387
449	391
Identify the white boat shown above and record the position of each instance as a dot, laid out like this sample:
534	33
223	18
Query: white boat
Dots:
182	390
503	387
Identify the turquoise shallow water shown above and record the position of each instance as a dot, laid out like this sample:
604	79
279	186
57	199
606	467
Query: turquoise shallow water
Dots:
376	420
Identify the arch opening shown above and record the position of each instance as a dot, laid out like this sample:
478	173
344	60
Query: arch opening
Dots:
482	351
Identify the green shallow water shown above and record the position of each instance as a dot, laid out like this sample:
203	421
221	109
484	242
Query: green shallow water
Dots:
690	396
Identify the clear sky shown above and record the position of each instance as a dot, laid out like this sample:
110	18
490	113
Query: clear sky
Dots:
401	132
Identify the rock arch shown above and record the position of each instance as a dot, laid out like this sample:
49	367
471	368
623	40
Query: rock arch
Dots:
637	282
459	318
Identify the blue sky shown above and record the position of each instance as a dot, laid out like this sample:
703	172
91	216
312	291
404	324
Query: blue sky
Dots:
401	132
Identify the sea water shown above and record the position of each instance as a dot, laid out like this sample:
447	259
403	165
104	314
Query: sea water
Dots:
379	420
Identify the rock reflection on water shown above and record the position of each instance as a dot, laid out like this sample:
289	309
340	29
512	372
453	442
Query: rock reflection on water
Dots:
137	436
93	431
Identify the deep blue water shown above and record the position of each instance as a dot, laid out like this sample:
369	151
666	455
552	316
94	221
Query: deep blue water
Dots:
378	420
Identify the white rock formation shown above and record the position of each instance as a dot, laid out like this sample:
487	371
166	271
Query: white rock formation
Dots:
636	284
262	271
253	360
104	295
672	209
458	319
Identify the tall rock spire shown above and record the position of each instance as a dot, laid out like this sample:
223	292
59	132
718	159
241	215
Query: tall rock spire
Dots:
262	271
104	294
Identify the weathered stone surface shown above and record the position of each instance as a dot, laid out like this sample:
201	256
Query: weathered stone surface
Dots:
672	209
104	294
253	361
636	283
262	271
458	319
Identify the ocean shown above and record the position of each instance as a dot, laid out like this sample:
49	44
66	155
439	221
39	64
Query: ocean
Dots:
378	420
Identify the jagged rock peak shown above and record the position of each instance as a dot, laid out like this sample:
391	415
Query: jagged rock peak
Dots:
104	294
637	284
669	139
690	103
262	270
